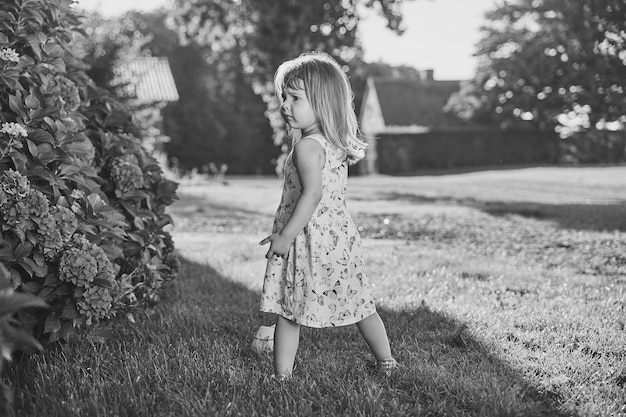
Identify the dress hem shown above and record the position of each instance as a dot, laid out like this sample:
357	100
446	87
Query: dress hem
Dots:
317	324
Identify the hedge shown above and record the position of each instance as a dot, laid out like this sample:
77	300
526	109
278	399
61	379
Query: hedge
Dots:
83	224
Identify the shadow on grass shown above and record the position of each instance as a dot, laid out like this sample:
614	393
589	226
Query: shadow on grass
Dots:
189	203
595	217
499	167
192	357
445	371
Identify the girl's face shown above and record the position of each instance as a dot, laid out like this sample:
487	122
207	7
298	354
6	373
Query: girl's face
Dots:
297	111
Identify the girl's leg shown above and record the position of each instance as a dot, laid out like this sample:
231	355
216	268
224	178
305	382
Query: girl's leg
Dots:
373	331
286	338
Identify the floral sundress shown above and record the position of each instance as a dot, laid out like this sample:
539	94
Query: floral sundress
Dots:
322	283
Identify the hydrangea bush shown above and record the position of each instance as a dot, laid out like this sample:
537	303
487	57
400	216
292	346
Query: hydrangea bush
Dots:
83	222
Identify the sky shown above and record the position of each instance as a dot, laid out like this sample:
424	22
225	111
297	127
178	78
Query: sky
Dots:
440	34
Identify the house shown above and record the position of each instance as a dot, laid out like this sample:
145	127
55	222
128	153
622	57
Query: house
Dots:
408	130
148	80
399	106
150	84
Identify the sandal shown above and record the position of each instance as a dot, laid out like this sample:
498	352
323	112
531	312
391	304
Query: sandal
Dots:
386	367
281	377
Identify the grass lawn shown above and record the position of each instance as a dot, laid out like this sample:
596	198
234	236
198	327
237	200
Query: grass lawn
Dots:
503	293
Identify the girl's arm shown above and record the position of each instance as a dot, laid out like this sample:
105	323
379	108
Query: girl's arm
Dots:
308	157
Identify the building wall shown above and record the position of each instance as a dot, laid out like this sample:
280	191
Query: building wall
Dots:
407	153
371	122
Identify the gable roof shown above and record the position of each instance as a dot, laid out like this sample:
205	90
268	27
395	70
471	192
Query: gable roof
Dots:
149	79
410	103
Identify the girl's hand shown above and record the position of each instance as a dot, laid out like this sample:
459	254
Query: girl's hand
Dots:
279	245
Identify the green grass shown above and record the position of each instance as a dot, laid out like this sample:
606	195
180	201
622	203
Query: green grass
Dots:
503	293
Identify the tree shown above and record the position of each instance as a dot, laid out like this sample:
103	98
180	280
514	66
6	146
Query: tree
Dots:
551	64
217	114
262	34
269	32
108	42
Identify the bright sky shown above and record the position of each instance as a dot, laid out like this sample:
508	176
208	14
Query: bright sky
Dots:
440	34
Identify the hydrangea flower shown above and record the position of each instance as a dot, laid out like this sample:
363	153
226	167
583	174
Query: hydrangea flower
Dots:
77	194
95	303
9	54
14	183
11	184
55	229
83	262
27	210
126	173
77	267
65	89
48	235
14	129
21	206
66	221
31	208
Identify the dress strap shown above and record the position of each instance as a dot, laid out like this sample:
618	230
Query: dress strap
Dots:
321	139
331	151
324	143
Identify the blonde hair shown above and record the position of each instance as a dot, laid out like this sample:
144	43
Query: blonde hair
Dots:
330	95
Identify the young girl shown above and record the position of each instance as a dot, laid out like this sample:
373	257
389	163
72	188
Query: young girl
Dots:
315	274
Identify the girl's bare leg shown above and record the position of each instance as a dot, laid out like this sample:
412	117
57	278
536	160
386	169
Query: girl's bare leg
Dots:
286	338
373	331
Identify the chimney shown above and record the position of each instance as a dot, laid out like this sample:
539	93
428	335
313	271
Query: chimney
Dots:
428	75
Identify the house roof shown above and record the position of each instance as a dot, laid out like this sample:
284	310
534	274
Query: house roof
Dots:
149	79
411	103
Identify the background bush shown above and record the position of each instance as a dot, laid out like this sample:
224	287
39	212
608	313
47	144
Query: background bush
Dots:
83	204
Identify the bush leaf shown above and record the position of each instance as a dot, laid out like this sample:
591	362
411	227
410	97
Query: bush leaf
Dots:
52	324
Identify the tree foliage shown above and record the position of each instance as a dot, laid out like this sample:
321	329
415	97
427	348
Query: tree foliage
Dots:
223	55
217	114
257	36
82	203
265	33
109	42
550	63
